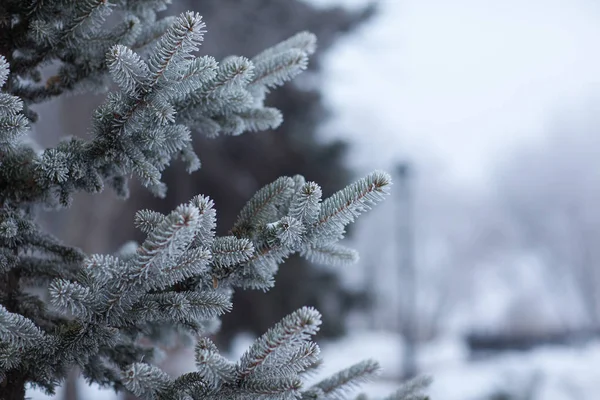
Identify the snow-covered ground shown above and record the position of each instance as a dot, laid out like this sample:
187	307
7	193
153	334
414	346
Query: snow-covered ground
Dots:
557	373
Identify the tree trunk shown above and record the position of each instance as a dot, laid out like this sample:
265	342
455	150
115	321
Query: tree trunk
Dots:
13	386
70	388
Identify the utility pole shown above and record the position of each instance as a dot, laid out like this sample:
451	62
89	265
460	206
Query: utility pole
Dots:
407	271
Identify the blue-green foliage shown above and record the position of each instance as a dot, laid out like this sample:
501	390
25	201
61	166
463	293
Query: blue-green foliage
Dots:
180	280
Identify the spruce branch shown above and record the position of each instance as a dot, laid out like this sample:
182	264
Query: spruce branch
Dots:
4	70
306	203
330	254
258	119
166	242
10	357
16	329
183	37
89	15
229	250
213	367
145	380
344	206
297	361
192	75
272	388
234	72
208	221
412	389
187	386
129	71
273	71
193	262
10	105
263	206
266	220
104	268
147	220
296	327
134	130
151	32
288	231
340	383
220	93
12	128
181	306
303	41
71	297
13	124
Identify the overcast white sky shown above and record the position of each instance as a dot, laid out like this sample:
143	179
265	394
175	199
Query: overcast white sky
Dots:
459	83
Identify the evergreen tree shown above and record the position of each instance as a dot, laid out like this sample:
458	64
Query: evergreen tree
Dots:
104	309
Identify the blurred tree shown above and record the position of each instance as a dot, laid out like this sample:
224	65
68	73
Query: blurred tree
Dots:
448	253
549	192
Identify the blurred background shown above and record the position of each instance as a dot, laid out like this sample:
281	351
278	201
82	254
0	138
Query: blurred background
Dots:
481	269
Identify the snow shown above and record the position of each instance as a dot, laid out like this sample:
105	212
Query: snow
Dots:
560	373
